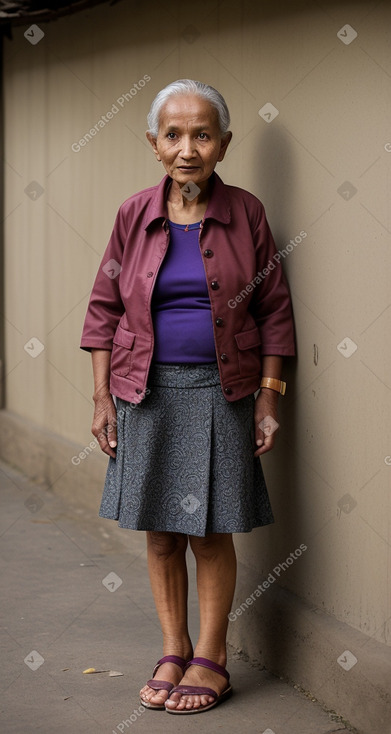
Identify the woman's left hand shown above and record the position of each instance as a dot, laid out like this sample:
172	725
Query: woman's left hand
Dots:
266	420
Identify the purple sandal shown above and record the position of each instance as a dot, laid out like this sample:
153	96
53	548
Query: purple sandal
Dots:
165	685
200	690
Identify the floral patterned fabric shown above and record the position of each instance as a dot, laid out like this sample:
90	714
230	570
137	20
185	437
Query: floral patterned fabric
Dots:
185	459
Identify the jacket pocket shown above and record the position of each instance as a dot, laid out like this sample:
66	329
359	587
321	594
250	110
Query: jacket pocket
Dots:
249	354
121	355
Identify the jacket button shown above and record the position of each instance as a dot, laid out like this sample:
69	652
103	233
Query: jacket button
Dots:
208	253
228	390
224	357
215	285
219	322
150	274
138	391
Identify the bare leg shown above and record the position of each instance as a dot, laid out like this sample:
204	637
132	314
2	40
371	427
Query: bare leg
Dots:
169	584
216	578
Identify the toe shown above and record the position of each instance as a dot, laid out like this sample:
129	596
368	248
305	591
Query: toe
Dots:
159	697
193	702
176	701
173	701
205	700
150	695
144	693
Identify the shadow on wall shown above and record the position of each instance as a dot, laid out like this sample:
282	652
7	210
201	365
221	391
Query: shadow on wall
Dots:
266	630
274	162
277	175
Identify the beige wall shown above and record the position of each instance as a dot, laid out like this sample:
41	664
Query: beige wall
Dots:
333	126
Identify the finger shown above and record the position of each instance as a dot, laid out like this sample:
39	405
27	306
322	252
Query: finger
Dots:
265	433
267	445
112	433
260	432
259	440
260	437
112	428
104	444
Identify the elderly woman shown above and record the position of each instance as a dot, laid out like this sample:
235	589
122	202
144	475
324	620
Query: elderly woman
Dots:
189	316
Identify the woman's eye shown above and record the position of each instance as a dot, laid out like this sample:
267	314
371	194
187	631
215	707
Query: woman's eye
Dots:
171	136
203	136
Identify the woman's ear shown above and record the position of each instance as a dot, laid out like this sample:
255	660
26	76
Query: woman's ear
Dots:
225	141
152	140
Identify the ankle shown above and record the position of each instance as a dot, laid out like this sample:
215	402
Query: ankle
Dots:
181	648
218	656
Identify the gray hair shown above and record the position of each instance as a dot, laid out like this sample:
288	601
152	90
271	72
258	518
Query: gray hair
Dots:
188	86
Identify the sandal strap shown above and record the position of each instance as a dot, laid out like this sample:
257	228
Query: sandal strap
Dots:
205	663
159	685
181	662
194	691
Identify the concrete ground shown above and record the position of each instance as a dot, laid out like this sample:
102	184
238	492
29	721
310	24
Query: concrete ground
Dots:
76	595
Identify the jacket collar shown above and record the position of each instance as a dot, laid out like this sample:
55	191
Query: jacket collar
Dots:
219	206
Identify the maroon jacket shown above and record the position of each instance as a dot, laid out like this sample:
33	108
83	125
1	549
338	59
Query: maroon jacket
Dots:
250	302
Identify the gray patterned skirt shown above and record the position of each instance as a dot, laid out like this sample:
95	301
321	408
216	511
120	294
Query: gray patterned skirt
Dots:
185	460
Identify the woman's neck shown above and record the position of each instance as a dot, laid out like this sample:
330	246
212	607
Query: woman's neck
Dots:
182	210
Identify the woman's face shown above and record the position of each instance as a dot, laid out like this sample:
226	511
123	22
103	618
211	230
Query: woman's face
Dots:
189	141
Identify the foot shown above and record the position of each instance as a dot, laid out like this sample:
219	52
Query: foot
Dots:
167	671
196	675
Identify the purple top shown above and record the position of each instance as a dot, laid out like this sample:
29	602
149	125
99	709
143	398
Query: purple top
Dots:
181	309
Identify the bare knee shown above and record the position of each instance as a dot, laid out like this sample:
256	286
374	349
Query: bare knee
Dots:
211	545
163	545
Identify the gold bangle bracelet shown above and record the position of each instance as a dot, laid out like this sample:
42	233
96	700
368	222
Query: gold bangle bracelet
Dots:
274	384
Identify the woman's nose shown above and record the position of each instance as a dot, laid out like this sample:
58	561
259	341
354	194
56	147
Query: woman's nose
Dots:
187	147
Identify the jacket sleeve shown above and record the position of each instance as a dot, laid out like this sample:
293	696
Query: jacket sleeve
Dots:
271	303
105	306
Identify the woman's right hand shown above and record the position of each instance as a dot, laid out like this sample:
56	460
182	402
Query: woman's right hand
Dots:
104	425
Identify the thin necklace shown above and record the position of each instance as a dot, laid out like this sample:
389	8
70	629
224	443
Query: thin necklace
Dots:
194	227
201	222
